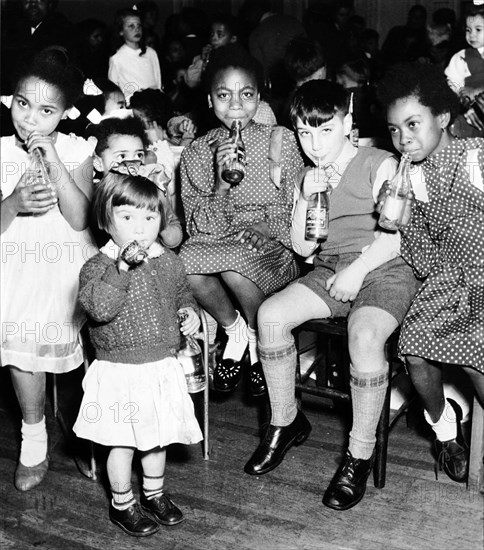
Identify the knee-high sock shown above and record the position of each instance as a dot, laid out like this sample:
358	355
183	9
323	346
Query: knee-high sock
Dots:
279	366
368	395
237	339
446	426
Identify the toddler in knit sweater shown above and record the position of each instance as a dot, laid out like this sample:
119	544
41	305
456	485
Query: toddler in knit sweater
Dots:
135	393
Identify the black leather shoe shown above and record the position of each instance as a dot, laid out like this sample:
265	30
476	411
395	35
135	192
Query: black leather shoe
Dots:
276	443
162	509
133	521
227	375
257	381
452	457
348	485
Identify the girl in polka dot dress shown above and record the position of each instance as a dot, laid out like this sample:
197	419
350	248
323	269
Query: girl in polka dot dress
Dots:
444	243
239	245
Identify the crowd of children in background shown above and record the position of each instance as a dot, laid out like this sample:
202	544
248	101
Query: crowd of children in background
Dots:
152	115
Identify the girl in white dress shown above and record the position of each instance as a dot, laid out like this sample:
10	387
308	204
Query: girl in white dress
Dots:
45	188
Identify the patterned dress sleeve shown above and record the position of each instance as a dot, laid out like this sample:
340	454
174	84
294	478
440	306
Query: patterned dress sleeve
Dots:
102	289
205	211
417	247
279	214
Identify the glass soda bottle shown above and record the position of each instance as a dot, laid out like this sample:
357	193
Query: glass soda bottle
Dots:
317	217
190	357
395	203
234	170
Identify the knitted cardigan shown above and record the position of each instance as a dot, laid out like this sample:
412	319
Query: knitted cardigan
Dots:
133	315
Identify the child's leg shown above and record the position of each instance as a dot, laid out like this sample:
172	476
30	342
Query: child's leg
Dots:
250	297
368	331
33	464
154	500
124	510
119	468
440	415
212	296
277	317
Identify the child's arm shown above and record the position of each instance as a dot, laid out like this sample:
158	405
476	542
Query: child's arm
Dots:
206	197
313	182
102	289
456	72
30	196
72	191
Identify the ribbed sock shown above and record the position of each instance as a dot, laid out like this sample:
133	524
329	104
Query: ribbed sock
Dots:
153	486
368	392
122	500
445	428
279	366
237	339
252	336
34	443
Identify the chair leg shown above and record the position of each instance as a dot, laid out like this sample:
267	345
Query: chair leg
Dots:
476	455
381	447
206	390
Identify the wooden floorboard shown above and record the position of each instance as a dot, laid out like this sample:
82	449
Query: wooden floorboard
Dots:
226	508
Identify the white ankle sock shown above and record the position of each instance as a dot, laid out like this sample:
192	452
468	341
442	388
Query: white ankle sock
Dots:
252	336
237	339
34	443
446	426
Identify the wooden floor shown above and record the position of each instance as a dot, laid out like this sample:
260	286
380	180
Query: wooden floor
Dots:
226	508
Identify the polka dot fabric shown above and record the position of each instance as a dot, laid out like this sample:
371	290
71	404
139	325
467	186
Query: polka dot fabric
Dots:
445	238
214	221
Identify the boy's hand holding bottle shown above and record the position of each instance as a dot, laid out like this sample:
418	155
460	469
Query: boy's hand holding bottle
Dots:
190	321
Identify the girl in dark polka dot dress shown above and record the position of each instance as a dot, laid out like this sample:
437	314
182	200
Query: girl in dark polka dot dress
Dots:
239	245
444	243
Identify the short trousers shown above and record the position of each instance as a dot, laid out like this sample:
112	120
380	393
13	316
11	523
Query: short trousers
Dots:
390	287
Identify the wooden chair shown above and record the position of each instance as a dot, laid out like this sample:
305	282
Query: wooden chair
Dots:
331	367
476	454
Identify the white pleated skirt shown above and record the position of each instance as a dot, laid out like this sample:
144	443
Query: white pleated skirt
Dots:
140	406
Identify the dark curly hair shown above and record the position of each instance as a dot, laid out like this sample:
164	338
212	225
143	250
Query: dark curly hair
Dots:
426	82
232	55
130	126
52	65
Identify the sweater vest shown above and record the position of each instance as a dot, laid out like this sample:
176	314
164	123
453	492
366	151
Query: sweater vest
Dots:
475	64
352	215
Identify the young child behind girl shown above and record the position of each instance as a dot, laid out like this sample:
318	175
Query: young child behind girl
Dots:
135	394
122	142
45	242
239	245
465	73
443	243
134	66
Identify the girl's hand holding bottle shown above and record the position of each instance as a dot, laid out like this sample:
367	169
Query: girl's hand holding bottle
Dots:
190	324
31	196
407	212
226	151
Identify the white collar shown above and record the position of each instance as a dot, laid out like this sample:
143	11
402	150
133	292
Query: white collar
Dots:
111	249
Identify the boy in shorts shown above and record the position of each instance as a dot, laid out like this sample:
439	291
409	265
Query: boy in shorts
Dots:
358	273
